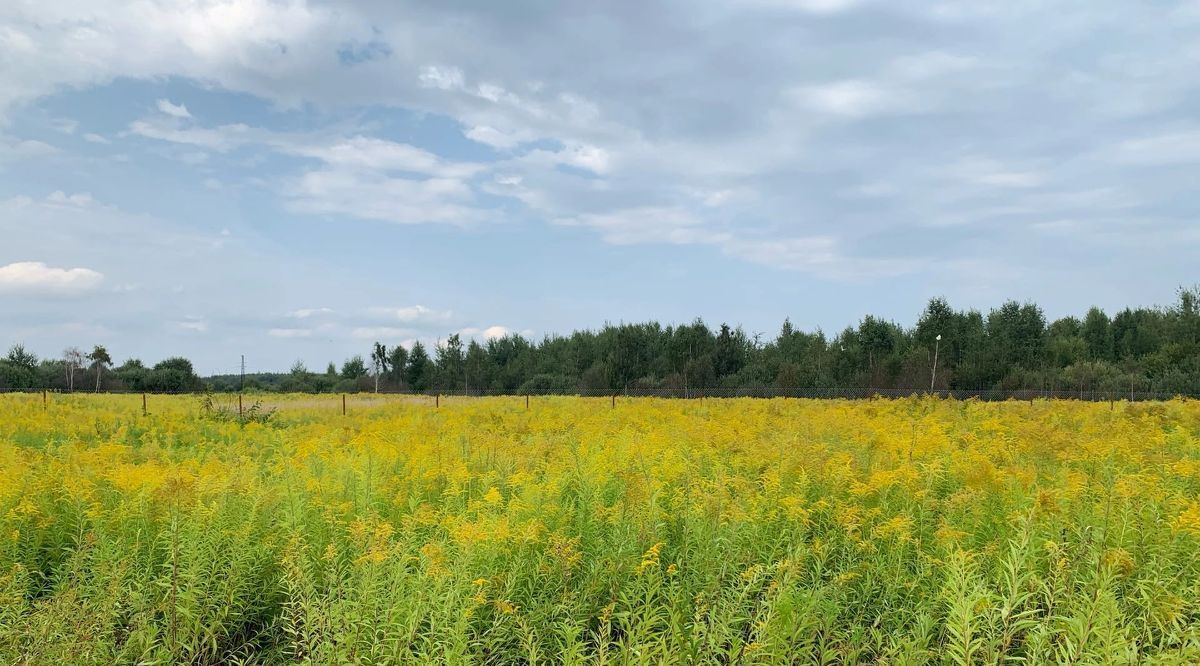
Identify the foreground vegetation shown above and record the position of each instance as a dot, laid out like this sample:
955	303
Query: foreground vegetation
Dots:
729	531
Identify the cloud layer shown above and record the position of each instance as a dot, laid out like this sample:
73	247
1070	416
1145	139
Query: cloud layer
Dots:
813	151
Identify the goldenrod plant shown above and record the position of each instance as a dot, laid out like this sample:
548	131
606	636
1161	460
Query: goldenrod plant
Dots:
657	531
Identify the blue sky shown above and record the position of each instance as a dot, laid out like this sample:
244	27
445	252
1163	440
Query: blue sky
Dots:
294	180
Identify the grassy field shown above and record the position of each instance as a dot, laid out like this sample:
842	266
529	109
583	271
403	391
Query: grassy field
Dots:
717	531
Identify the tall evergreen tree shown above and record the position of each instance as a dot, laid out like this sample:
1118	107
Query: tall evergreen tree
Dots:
419	368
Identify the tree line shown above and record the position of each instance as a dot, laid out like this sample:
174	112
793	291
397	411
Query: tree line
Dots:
94	371
1011	347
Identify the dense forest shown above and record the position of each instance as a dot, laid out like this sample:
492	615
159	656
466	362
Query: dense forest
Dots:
1011	347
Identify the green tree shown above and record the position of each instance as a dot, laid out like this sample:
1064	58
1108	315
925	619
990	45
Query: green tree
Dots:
937	319
100	360
397	359
1097	335
354	368
475	367
879	340
72	363
298	379
690	354
419	367
18	369
450	362
1016	333
132	374
729	351
379	361
173	375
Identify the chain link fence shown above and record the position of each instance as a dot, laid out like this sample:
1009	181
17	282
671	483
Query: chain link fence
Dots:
1087	395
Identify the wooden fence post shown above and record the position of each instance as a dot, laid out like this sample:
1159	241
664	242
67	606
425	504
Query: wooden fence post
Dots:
343	404
239	406
526	402
437	400
43	400
143	403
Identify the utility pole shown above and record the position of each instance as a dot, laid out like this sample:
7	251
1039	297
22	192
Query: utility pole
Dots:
937	342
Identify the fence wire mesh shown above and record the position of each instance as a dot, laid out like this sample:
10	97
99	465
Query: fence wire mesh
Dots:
843	393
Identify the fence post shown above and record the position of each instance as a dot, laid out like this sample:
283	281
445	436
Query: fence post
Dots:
343	404
437	400
43	400
527	402
239	406
143	403
614	400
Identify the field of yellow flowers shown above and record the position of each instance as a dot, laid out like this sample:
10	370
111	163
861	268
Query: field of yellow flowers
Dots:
718	531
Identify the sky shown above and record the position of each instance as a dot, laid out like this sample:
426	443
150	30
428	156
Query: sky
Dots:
295	180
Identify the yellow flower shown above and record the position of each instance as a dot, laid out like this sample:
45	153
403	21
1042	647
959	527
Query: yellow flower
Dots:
650	558
493	496
1188	520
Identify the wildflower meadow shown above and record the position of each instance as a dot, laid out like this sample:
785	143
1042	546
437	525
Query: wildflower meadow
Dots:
576	530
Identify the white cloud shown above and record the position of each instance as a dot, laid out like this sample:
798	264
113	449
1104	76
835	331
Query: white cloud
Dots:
77	200
173	110
984	171
442	77
929	65
23	149
372	154
381	333
808	6
715	198
363	177
495	138
192	324
305	313
1181	147
237	44
374	196
357	153
851	98
578	155
412	314
194	157
290	332
64	125
220	139
37	279
489	333
650	224
817	255
91	137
